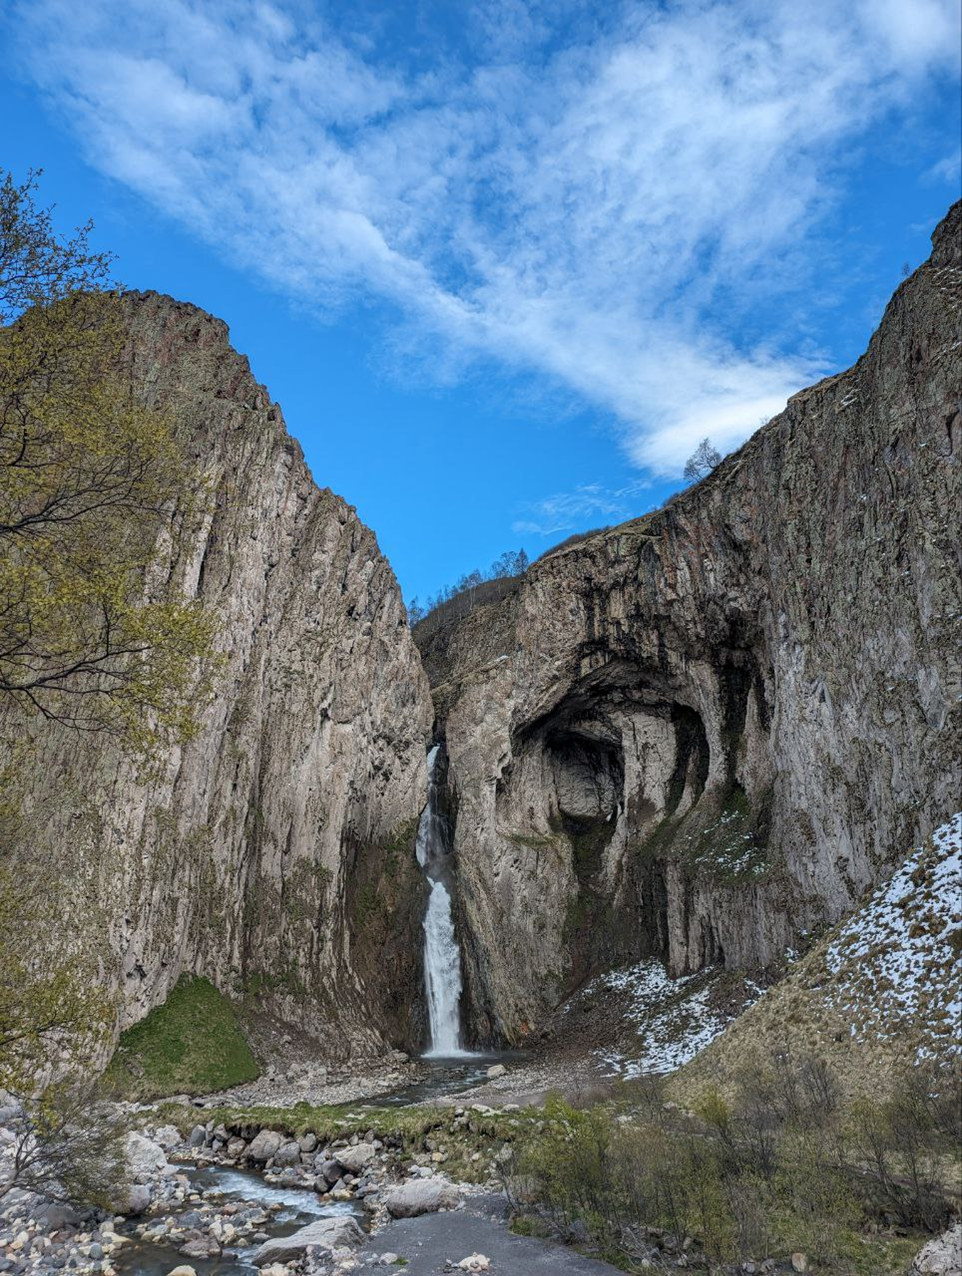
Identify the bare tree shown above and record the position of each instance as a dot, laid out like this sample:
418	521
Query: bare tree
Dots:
702	461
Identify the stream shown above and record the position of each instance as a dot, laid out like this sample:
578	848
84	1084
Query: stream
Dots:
286	1209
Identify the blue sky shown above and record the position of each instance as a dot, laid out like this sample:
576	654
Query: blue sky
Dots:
502	263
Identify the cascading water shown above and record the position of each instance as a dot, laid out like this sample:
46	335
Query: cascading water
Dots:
442	959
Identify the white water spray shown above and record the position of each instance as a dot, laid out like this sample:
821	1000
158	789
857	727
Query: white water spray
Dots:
442	959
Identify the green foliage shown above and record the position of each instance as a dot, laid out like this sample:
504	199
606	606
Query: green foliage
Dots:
91	633
45	1016
68	1145
783	1167
191	1044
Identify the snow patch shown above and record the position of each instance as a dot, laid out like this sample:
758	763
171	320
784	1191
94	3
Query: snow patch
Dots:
673	1018
898	958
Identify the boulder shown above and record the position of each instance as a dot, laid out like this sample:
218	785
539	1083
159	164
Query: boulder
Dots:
356	1159
941	1256
497	1070
131	1200
264	1146
287	1154
328	1169
307	1142
197	1137
422	1196
168	1137
144	1157
325	1235
183	1270
236	1148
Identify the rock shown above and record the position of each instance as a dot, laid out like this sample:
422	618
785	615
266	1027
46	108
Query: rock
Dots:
326	1235
312	612
307	1142
201	1247
659	602
263	1147
236	1148
357	1158
144	1157
167	1137
132	1200
183	1270
329	1169
420	1196
197	1137
55	1216
941	1256
496	1070
287	1154
474	1263
799	1262
388	1259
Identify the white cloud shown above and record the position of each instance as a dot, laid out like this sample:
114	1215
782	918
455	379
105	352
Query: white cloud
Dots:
604	209
566	511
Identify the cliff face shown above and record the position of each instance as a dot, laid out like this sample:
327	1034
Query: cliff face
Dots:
703	732
274	853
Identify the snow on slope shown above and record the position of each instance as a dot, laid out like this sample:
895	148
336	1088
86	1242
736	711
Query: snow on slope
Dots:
879	993
667	1021
897	958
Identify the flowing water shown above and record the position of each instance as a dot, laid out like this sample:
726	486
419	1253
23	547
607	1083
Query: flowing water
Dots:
286	1209
442	958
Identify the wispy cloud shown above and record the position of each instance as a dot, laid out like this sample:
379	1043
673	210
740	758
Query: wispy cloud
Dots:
595	200
566	511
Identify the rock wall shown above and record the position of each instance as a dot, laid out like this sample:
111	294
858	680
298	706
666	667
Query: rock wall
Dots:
274	853
707	731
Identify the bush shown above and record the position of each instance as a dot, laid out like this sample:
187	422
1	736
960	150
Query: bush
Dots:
783	1166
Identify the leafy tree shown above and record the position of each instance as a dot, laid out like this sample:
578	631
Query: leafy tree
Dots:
88	479
702	461
91	635
68	1145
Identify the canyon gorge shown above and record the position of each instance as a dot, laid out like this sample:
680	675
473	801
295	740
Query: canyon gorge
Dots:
695	738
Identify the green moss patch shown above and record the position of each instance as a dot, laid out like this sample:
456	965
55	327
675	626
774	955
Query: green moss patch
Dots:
192	1044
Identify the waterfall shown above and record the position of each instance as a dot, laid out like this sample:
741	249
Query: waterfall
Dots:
442	959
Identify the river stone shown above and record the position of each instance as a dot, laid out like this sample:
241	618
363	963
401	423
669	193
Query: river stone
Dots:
131	1200
941	1256
264	1146
307	1142
183	1270
357	1158
328	1169
167	1136
144	1156
287	1154
197	1137
497	1070
326	1234
422	1196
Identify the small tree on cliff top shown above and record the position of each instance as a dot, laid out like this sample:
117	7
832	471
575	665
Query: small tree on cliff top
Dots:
702	461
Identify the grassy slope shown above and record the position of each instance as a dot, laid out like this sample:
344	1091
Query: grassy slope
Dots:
192	1044
878	992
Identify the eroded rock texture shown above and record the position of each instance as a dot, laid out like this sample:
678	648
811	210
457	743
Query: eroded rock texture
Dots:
274	853
703	732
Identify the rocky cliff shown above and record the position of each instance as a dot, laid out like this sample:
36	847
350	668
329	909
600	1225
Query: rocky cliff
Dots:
274	852
701	734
